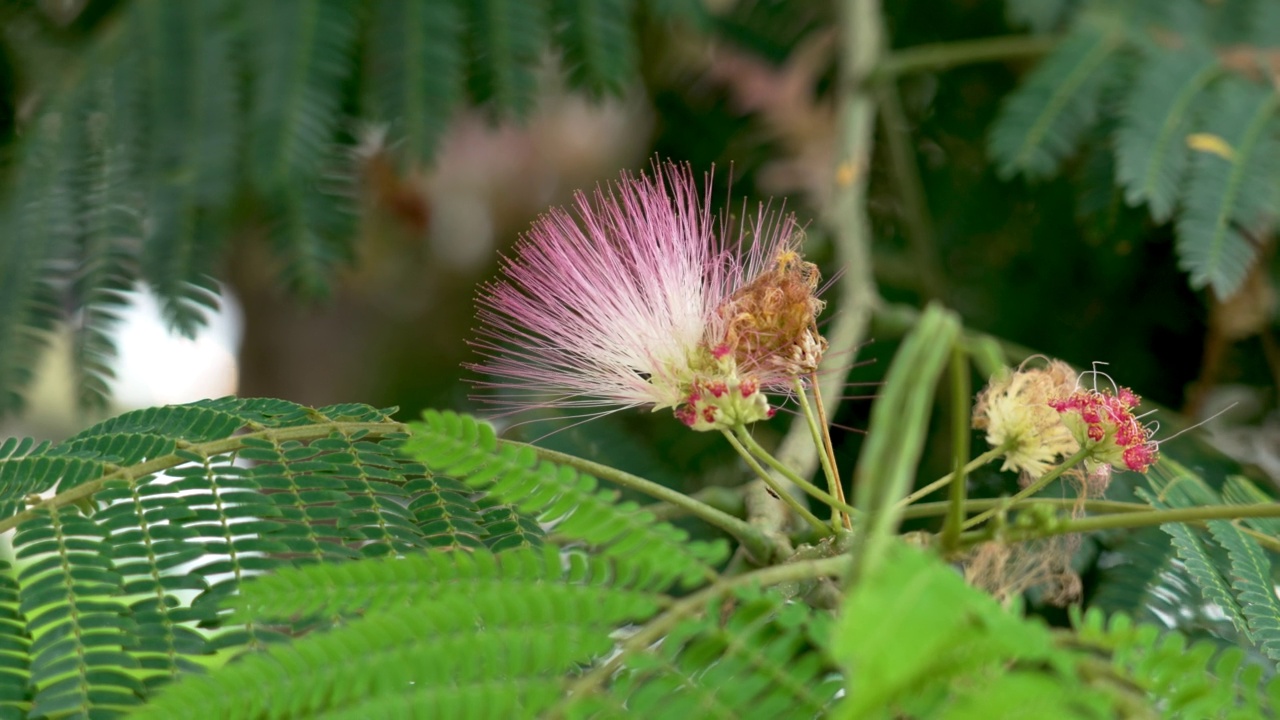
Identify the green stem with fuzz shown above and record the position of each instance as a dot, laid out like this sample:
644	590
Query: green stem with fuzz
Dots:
825	451
755	541
945	480
960	390
1034	487
943	55
776	486
1131	520
975	505
786	472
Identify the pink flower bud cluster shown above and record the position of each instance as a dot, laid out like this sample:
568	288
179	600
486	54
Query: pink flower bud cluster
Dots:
1105	423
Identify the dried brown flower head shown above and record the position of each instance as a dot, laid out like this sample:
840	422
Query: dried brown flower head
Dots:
771	322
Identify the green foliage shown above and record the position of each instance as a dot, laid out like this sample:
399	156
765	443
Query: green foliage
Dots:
915	640
116	584
1044	120
440	635
172	119
1190	681
464	448
1195	134
899	424
751	654
1244	590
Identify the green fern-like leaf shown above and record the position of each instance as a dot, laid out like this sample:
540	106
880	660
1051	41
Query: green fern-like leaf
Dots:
505	40
750	656
15	649
1151	148
189	105
426	658
301	56
106	226
1042	121
308	237
1187	492
1136	578
387	585
1253	584
596	39
1231	186
1239	491
81	632
464	448
36	218
187	503
416	70
1186	681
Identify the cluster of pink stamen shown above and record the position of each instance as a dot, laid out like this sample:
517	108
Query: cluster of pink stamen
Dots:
1106	423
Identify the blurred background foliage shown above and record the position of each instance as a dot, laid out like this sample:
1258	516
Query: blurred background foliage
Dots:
349	170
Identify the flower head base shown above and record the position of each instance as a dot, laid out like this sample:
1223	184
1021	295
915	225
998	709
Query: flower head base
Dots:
1104	423
1015	411
637	299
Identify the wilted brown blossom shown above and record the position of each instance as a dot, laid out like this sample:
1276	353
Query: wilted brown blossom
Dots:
1008	571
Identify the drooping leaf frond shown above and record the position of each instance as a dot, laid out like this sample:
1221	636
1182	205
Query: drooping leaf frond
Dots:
599	51
151	135
1151	147
1231	187
462	447
415	76
1042	121
505	38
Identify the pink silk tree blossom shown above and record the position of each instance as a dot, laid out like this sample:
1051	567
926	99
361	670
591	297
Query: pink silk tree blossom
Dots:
635	298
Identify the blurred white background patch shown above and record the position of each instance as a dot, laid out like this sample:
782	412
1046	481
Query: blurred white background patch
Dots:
153	366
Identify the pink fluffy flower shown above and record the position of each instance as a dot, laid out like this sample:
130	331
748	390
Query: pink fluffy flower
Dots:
632	299
1105	423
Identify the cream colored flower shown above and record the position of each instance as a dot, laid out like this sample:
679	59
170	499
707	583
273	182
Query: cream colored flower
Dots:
1015	411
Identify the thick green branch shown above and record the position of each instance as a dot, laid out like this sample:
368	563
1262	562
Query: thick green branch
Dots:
1130	520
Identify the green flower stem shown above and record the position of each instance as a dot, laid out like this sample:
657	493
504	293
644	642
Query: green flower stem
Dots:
752	539
960	390
788	473
972	505
1034	487
945	480
1130	520
823	443
943	55
777	487
134	473
696	603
